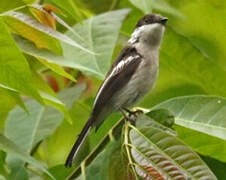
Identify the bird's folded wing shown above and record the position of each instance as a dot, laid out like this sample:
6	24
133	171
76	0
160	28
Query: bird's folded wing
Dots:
120	74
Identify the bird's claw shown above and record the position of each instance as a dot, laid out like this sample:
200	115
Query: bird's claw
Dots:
132	115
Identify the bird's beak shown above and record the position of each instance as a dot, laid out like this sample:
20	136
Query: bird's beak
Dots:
164	20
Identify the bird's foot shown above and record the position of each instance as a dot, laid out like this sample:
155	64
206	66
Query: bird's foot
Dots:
132	115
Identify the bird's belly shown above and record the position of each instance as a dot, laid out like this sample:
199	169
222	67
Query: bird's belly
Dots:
139	85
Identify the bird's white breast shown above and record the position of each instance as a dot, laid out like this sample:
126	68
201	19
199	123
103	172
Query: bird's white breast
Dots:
141	82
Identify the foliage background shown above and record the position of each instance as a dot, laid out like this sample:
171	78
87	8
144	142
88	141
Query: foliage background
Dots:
49	79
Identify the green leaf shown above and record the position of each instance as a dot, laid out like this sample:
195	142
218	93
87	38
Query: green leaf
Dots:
201	113
193	115
35	126
42	35
38	124
18	173
50	60
203	143
217	167
161	121
158	154
9	147
37	10
109	164
162	116
9	99
3	170
42	86
57	69
48	95
60	171
100	34
14	69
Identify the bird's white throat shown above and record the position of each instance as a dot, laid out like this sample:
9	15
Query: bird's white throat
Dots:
150	34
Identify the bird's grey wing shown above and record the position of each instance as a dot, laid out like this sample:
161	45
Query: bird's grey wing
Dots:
117	78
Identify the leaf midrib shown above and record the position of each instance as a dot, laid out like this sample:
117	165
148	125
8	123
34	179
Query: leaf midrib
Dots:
36	126
90	23
199	124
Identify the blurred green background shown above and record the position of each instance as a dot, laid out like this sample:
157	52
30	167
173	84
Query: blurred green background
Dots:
49	78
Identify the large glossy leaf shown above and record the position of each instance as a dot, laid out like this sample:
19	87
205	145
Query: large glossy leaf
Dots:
158	154
202	113
39	123
8	146
35	126
42	35
201	118
100	34
203	143
14	69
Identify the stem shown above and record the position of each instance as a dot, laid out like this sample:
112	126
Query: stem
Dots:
83	170
126	142
112	138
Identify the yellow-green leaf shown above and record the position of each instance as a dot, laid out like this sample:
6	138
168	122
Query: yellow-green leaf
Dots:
14	69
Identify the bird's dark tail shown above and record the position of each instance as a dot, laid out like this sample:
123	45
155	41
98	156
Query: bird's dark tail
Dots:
79	142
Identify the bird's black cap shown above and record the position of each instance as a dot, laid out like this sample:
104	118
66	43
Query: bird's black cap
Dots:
151	19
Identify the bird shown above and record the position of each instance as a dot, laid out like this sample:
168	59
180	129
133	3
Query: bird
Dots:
130	78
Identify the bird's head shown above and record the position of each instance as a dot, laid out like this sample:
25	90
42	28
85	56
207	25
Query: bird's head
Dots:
149	29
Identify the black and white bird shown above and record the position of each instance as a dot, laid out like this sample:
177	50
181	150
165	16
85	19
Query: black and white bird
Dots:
131	76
